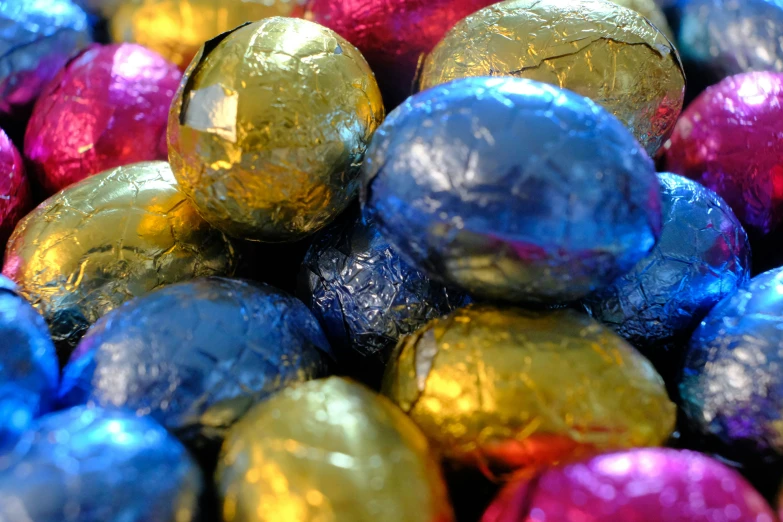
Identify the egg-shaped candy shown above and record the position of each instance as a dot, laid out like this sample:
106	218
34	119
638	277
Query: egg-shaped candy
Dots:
652	12
505	389
640	485
269	128
28	365
38	37
732	386
177	28
107	239
15	195
598	49
96	465
703	256
196	356
512	189
393	36
366	297
107	108
329	449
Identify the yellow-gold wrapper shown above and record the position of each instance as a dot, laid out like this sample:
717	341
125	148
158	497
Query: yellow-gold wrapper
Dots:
650	10
107	239
329	450
595	48
269	128
509	389
176	29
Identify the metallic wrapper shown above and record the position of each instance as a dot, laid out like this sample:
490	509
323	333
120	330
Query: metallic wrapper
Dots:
512	189
652	484
36	39
394	36
107	239
366	297
15	195
178	28
652	11
595	48
730	387
509	389
719	38
196	356
703	256
269	128
726	140
95	465
28	365
329	450
107	108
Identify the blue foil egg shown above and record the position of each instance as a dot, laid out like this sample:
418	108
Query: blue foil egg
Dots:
732	385
702	256
37	37
29	372
196	356
366	297
96	465
512	190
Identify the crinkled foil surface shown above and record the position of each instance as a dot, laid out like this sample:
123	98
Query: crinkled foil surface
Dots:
106	240
36	39
270	126
107	108
95	465
512	189
506	389
651	484
28	365
652	11
177	28
595	48
703	256
366	297
329	450
723	140
15	196
732	386
197	355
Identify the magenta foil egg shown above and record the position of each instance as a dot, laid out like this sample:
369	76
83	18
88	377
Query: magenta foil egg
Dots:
731	140
643	485
15	196
107	108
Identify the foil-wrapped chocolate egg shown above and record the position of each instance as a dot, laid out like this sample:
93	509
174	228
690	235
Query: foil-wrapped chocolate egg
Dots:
727	139
107	239
329	449
38	37
732	386
640	485
196	356
28	365
107	108
512	189
96	465
269	128
652	12
703	256
598	49
177	28
366	297
15	195
393	36
505	389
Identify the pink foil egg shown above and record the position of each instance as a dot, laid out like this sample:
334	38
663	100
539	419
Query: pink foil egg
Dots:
643	485
107	108
15	196
731	140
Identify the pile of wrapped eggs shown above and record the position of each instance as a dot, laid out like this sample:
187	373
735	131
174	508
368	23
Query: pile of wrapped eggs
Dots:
391	261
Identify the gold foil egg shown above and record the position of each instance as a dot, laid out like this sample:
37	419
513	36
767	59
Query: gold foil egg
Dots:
595	48
176	29
329	450
508	389
650	10
269	128
107	239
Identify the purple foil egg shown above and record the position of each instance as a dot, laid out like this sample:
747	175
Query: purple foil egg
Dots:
15	195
